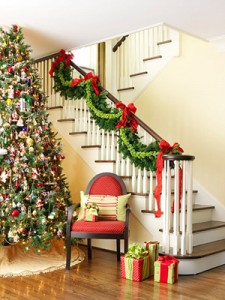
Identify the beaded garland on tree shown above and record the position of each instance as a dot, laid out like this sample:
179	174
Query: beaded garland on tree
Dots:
33	191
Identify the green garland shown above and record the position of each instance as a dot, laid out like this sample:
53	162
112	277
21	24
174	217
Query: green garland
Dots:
106	117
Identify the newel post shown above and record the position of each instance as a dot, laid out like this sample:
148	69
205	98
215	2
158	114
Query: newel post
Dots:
177	204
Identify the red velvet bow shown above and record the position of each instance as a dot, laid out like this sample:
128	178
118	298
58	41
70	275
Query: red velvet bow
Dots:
95	80
168	260
165	148
61	57
127	118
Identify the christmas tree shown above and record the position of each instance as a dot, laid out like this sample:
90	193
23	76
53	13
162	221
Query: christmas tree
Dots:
33	190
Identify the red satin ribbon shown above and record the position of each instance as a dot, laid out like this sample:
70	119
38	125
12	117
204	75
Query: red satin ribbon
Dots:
165	148
127	118
166	261
61	57
95	80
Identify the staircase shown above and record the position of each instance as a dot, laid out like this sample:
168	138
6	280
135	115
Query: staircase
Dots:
99	150
151	49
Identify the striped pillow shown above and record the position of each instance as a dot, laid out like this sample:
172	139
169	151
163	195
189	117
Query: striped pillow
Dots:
110	207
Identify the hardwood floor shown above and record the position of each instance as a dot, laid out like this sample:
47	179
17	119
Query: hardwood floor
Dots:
100	279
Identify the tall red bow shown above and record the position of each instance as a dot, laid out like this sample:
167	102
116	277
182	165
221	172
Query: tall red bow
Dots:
127	118
95	80
61	57
165	148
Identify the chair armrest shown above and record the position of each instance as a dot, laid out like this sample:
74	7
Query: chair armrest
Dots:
70	210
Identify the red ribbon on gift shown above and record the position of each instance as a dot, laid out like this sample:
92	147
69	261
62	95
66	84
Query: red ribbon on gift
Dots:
61	57
165	262
127	118
165	148
95	80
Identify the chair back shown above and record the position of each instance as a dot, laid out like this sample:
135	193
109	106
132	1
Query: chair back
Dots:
106	183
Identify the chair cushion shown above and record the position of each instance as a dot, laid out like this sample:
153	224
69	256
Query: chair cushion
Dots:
110	207
99	227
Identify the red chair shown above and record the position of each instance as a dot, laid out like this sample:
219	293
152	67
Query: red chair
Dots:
101	184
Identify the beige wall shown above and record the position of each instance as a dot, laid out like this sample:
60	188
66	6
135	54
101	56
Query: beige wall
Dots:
77	172
186	104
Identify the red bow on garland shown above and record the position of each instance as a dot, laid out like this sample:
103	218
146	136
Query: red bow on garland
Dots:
95	80
165	148
127	118
61	57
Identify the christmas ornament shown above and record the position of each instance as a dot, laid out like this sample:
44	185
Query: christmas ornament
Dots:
29	141
22	105
3	151
10	69
15	213
9	102
20	122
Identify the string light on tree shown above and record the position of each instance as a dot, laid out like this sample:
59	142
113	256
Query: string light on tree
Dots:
33	199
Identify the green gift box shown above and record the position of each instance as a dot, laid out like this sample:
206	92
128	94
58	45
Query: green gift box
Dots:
166	269
135	265
91	212
153	250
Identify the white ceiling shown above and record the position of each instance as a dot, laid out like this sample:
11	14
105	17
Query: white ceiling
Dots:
49	25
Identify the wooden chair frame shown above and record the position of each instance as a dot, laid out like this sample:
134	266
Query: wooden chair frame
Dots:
94	235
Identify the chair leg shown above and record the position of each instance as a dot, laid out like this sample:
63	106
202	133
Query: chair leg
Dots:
125	245
118	249
89	249
68	253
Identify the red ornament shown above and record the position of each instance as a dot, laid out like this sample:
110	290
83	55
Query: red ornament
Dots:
15	213
15	28
25	69
17	92
39	183
10	69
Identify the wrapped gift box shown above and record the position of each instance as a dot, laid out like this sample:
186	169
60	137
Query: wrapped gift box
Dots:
153	249
135	265
166	269
136	269
91	213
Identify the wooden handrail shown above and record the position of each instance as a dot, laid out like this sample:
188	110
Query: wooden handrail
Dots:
109	95
113	99
119	43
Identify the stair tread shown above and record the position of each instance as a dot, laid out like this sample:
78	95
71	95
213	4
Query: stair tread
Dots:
203	250
66	120
198	227
194	208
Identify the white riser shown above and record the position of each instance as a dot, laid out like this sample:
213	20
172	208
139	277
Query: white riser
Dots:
200	216
208	236
195	266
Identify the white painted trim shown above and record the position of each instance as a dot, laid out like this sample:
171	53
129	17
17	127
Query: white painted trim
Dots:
203	197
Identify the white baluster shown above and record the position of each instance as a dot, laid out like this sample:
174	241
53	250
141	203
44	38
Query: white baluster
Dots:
122	167
176	218
127	173
166	205
112	152
117	163
150	197
144	181
189	209
133	180
107	148
89	129
183	208
139	181
103	145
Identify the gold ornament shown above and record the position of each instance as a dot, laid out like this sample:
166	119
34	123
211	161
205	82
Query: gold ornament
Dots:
20	58
9	102
29	141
